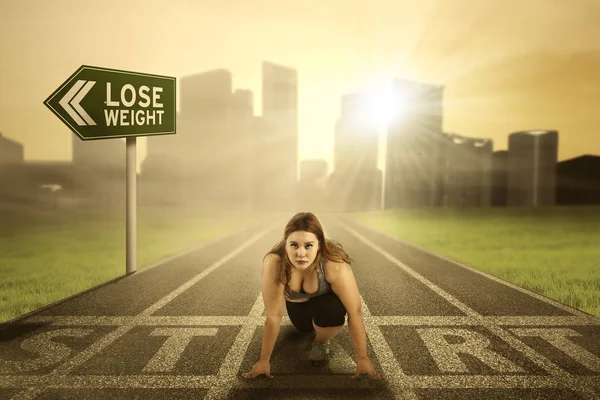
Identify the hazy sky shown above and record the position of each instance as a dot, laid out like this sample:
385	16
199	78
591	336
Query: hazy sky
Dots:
506	64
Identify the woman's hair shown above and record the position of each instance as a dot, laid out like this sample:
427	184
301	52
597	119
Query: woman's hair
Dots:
329	250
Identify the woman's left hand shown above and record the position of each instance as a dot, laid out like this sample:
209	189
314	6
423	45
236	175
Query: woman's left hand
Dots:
364	366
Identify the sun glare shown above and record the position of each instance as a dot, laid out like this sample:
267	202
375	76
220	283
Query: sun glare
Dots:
384	105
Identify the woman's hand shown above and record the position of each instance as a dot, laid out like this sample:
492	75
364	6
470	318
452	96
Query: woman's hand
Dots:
364	366
261	367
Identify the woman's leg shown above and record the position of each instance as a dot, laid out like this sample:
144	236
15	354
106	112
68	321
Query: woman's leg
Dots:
329	316
301	316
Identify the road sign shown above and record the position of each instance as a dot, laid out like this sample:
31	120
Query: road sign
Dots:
103	103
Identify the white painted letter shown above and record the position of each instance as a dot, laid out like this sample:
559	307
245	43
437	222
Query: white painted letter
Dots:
49	352
169	353
446	357
557	337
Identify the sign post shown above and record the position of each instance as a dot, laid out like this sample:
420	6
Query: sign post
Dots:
102	103
131	203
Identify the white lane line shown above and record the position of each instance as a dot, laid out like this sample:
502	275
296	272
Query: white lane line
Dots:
192	250
421	382
487	320
110	381
395	377
537	296
227	375
518	345
378	320
97	347
341	381
168	298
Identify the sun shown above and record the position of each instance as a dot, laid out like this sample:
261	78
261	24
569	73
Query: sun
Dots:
384	105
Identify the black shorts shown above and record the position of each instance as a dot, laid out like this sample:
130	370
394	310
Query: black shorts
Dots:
327	310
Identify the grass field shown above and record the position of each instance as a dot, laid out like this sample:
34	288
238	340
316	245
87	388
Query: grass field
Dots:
46	256
553	251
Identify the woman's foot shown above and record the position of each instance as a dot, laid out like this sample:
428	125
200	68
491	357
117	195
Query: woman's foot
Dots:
319	354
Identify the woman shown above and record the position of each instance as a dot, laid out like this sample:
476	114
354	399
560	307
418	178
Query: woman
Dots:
314	277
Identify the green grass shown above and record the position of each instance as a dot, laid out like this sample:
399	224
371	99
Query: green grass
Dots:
553	251
46	256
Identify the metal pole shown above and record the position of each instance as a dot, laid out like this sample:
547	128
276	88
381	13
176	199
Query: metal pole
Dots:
131	172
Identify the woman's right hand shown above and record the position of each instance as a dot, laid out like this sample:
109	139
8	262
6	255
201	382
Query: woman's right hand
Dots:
261	367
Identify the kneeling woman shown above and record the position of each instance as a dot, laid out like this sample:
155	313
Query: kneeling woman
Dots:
314	277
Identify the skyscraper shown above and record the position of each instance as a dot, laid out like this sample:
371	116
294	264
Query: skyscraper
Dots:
210	154
466	171
11	151
414	145
311	187
280	137
355	184
500	178
532	158
578	180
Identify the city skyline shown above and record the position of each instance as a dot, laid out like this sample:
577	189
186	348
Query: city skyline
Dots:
534	77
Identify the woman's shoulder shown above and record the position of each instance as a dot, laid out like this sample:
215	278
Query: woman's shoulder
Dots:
272	259
333	269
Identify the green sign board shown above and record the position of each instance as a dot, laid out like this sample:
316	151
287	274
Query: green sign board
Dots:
102	103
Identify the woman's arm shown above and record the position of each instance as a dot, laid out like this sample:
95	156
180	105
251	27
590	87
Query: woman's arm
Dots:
272	293
344	286
273	298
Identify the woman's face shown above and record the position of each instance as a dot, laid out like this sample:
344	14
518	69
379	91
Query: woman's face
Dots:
302	248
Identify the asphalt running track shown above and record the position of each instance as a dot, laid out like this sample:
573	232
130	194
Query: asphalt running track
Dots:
189	326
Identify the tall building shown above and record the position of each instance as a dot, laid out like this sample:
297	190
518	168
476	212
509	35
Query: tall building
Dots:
314	171
356	138
532	158
312	185
12	171
259	172
280	136
11	151
161	179
240	163
206	103
500	178
207	163
354	184
205	93
578	181
414	146
466	171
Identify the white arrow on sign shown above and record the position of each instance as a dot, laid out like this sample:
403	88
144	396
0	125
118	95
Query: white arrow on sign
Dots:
70	102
